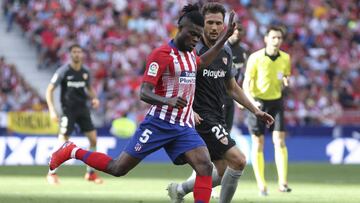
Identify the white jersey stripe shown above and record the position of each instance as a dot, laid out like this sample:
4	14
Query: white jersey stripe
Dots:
186	67
191	113
177	68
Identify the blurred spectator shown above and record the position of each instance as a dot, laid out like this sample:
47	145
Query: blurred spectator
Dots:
323	39
15	93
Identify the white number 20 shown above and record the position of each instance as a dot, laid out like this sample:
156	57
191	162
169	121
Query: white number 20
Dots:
145	136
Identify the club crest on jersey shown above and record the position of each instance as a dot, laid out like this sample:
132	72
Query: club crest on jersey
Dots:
225	60
187	77
153	69
85	76
224	140
138	147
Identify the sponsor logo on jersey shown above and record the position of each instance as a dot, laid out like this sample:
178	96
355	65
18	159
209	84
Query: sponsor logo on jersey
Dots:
76	84
187	77
153	69
214	73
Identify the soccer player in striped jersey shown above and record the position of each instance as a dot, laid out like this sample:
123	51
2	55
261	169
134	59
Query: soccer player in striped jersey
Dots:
169	86
213	84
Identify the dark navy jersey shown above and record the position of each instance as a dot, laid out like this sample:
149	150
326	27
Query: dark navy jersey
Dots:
239	56
74	85
210	89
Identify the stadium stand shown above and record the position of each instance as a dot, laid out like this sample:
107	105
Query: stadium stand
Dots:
323	39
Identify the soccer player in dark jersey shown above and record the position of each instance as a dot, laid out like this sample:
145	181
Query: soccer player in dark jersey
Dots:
75	90
213	83
169	86
239	56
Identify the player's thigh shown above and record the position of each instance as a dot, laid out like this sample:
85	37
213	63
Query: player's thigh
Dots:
66	124
217	139
199	160
83	119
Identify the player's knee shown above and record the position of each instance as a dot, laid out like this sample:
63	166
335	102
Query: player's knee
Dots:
204	168
238	163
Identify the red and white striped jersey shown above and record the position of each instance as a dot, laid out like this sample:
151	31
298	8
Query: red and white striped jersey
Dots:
173	73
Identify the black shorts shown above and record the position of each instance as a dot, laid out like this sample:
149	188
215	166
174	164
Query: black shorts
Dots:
216	137
273	107
70	117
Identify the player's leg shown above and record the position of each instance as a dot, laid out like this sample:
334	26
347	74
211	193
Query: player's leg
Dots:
66	127
236	163
85	123
258	162
199	159
281	154
281	160
257	129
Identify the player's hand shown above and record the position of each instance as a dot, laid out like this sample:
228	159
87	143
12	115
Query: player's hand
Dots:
197	118
53	116
95	103
231	26
266	118
177	102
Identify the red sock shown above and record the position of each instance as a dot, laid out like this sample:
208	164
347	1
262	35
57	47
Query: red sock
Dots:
96	160
202	189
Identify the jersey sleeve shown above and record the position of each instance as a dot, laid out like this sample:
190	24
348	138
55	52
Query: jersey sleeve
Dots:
155	66
230	72
250	71
58	76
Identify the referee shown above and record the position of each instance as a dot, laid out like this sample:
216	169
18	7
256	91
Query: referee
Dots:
267	72
75	84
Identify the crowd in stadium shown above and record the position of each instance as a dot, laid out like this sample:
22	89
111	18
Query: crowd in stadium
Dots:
322	37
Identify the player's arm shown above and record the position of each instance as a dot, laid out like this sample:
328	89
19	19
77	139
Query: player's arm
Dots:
50	101
240	97
94	100
210	55
147	95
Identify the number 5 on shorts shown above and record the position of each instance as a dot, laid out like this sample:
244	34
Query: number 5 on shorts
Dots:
145	136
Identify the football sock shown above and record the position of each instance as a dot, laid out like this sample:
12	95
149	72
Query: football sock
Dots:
281	160
96	160
88	168
259	167
202	189
229	184
188	186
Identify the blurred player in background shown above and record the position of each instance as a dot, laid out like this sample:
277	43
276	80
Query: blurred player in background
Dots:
75	84
169	86
239	56
213	83
267	72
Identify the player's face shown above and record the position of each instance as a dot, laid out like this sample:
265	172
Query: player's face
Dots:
214	25
190	36
274	39
76	55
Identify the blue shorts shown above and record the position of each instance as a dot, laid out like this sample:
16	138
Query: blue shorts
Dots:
154	133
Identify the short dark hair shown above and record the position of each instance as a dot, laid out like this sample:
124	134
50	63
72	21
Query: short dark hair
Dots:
213	7
192	13
75	46
275	28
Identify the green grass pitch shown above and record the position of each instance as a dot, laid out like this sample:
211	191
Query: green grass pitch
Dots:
146	184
